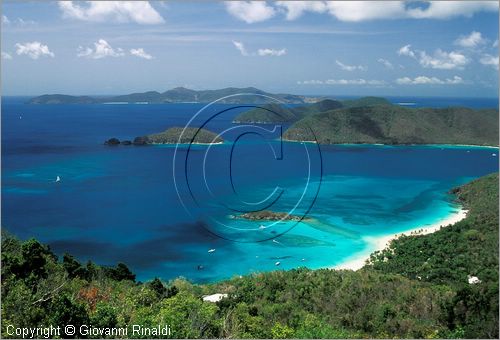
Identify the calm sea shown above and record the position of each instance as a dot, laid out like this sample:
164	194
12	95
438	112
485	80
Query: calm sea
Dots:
120	204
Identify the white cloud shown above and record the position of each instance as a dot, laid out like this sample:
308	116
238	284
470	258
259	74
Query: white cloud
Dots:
443	60
139	52
452	9
240	47
489	60
5	20
140	12
250	11
101	50
440	60
386	63
474	39
423	80
365	10
263	52
33	50
495	43
342	82
295	9
355	11
350	67
406	51
6	56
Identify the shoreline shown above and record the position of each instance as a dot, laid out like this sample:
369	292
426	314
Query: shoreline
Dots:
375	243
399	145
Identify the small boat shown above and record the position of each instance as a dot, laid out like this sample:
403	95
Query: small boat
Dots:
494	154
211	250
200	267
262	227
58	179
277	263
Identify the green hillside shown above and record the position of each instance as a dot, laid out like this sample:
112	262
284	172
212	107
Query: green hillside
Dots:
416	289
171	136
391	124
365	101
276	113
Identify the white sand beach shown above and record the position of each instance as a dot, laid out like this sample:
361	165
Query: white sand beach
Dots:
357	261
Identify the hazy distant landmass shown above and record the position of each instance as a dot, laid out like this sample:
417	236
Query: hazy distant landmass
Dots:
179	95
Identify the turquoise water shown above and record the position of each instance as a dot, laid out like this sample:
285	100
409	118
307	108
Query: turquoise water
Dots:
121	204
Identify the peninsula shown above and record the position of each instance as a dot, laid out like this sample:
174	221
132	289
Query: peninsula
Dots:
374	120
172	136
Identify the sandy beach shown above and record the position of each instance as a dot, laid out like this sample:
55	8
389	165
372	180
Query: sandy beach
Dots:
357	261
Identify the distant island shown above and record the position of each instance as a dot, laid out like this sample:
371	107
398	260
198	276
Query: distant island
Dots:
178	95
171	136
374	120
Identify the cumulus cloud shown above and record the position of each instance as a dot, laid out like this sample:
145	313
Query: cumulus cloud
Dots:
489	60
350	67
439	60
139	52
423	80
355	11
295	9
6	56
342	82
140	12
5	20
34	50
263	52
250	11
240	47
472	40
406	51
386	63
443	60
102	49
452	9
495	43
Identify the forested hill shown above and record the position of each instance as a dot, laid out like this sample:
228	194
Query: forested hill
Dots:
392	124
178	95
419	288
278	113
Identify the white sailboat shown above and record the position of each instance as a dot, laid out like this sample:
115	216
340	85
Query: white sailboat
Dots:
58	179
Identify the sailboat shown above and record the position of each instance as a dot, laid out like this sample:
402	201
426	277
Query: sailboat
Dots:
58	179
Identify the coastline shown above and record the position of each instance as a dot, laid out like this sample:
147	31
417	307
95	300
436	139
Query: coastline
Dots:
398	145
375	243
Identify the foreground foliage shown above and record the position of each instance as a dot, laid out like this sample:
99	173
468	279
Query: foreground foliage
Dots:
417	288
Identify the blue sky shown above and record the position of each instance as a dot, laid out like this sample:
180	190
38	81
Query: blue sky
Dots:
324	48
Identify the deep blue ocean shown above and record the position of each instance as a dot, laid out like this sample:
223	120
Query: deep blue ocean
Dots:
121	204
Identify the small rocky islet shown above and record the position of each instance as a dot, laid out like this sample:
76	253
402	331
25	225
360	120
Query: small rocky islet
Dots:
268	215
